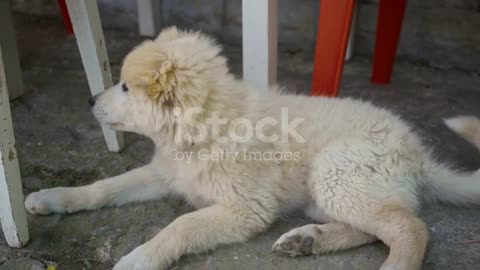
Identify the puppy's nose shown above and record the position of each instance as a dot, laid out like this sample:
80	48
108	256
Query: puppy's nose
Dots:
91	101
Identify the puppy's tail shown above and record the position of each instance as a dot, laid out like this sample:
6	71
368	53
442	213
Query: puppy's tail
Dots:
443	184
466	126
451	186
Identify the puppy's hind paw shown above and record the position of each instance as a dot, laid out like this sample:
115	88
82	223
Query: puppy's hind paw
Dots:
294	245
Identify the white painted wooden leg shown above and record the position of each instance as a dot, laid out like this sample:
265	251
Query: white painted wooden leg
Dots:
8	45
351	37
88	31
259	19
148	17
12	212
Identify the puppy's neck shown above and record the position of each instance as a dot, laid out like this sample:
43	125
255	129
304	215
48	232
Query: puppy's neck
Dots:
200	125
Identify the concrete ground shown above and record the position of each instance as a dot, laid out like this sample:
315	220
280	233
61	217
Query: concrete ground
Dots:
60	144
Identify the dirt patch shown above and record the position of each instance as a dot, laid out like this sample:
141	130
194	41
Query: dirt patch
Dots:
50	177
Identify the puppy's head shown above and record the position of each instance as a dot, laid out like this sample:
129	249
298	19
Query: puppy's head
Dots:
160	79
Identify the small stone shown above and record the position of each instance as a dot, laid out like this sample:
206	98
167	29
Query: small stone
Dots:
50	265
99	230
102	254
87	263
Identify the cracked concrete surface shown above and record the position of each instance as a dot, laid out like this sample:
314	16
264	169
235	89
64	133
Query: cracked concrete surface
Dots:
59	143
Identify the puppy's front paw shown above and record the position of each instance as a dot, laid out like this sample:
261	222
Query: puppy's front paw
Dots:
49	201
139	259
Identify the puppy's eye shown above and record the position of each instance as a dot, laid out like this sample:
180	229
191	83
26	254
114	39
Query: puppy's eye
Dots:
124	87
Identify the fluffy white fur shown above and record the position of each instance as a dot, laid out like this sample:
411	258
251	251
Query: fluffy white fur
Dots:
361	170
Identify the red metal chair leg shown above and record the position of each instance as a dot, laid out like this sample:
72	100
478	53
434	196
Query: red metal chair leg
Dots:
332	38
389	26
66	17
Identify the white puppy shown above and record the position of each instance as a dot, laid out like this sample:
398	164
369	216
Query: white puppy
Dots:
242	159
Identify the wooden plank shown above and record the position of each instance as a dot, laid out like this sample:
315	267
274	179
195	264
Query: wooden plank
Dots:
259	20
8	45
12	211
148	17
88	31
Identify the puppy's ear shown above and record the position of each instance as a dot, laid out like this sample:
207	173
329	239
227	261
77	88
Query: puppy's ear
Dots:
163	82
168	34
